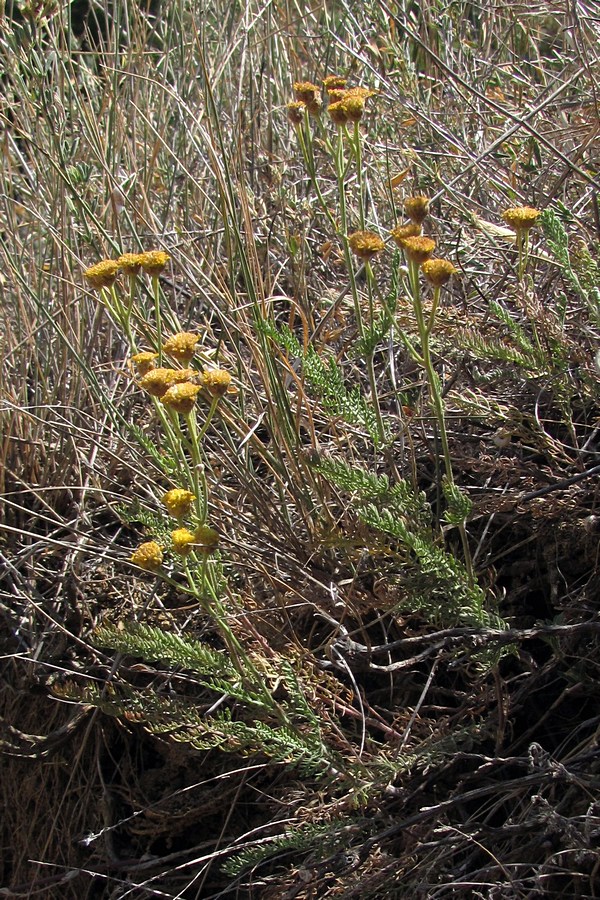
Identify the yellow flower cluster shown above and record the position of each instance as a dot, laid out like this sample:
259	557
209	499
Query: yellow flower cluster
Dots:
154	262
295	111
144	362
401	232
345	104
158	381
309	95
131	263
418	249
103	274
217	382
417	208
203	539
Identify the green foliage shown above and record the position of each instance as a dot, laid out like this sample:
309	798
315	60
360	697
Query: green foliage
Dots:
486	348
327	837
367	487
580	269
154	643
293	736
282	744
325	378
439	583
516	331
154	523
459	506
164	460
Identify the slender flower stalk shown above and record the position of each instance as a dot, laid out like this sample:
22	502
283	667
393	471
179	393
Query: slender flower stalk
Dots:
418	251
521	219
304	135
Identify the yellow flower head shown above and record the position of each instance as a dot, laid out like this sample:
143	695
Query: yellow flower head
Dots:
438	271
521	218
354	106
154	261
103	274
337	112
418	249
334	82
207	538
131	263
417	208
158	381
401	232
204	539
295	112
181	346
183	541
365	244
178	502
306	91
181	397
144	362
216	382
336	94
148	556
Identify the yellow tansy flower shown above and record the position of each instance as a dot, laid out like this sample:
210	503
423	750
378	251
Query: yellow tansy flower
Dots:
154	261
362	92
334	82
354	106
144	361
337	112
417	208
158	381
148	556
401	232
418	249
181	397
438	271
365	244
178	502
521	218
295	112
131	263
103	274
306	91
181	346
217	382
183	541
207	538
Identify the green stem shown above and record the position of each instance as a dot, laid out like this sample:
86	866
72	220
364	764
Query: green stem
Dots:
305	140
213	405
357	147
435	392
